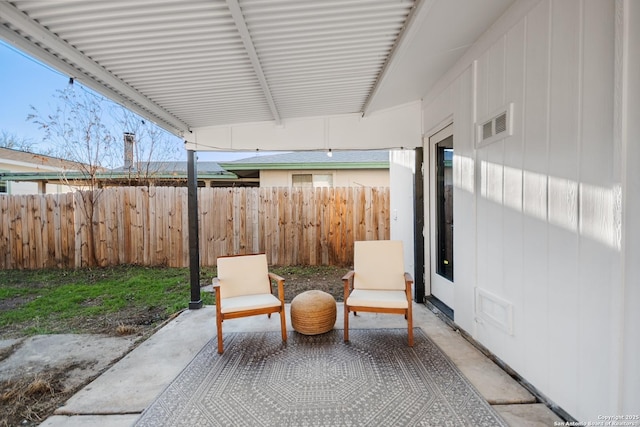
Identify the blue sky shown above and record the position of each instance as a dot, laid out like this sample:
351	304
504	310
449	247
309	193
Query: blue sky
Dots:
25	81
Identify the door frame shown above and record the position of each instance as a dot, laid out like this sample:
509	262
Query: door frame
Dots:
439	287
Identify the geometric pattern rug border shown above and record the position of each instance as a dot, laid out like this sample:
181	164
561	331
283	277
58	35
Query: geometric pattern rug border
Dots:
318	380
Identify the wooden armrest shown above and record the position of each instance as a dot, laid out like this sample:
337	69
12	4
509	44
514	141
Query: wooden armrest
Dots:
408	280
347	281
216	289
274	276
349	275
280	281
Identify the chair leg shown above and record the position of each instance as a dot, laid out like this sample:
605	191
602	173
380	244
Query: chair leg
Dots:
219	327
346	322
410	325
283	325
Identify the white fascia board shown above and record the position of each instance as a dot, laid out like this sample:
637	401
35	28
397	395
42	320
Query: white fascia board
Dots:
36	166
397	127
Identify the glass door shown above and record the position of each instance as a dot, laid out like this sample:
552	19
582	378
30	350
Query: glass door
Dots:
441	227
444	208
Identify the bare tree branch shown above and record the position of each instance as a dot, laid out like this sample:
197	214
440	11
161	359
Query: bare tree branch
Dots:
81	129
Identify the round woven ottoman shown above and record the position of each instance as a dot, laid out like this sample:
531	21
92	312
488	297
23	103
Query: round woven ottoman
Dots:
313	312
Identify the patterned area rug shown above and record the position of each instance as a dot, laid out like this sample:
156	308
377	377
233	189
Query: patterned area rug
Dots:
375	380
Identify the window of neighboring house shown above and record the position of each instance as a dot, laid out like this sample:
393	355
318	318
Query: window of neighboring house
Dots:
310	180
4	185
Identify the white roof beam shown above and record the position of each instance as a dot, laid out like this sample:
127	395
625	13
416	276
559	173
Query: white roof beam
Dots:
238	18
417	14
97	78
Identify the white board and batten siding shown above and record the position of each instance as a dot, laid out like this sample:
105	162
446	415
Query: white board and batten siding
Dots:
401	172
537	243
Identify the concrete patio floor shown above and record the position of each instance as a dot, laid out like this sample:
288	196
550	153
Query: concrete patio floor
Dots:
118	397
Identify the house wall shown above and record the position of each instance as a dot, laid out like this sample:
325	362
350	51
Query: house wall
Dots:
627	135
25	187
341	178
401	170
537	214
14	187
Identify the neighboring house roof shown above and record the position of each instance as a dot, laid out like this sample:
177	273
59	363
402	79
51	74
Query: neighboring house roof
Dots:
177	168
371	159
368	159
39	161
156	171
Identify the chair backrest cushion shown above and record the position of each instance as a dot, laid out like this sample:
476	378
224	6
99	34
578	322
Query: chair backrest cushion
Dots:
243	275
378	264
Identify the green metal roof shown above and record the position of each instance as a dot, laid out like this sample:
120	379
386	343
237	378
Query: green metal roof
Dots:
371	159
204	168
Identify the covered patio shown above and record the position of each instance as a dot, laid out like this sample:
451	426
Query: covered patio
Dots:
264	76
119	396
528	103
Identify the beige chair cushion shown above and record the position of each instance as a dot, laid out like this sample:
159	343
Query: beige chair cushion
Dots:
378	264
248	302
379	299
243	275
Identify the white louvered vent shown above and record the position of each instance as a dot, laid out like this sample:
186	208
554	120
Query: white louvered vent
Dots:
497	126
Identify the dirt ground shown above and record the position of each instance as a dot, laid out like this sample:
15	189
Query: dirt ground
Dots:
38	374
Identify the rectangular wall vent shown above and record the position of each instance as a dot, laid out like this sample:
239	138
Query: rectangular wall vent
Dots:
494	310
497	126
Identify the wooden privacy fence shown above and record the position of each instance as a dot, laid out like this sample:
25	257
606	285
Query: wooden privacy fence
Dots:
148	226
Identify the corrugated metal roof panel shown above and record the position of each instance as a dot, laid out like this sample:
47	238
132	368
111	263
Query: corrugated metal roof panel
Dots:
197	61
297	41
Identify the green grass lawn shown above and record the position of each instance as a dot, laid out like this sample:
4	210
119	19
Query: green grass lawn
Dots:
100	300
90	300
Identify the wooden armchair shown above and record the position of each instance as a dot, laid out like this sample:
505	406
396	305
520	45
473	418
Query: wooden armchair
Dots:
243	288
378	282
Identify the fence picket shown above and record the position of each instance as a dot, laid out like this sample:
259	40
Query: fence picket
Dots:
5	249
